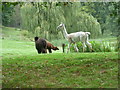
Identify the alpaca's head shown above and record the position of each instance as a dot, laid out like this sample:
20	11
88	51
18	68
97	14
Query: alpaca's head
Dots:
36	38
60	26
55	48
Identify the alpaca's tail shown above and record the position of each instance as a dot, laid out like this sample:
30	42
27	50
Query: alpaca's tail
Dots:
87	33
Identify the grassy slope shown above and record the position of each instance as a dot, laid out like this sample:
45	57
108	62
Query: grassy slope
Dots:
10	33
83	70
23	67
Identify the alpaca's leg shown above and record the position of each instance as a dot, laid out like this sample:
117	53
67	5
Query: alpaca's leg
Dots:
39	51
50	51
44	50
89	45
75	47
84	46
68	49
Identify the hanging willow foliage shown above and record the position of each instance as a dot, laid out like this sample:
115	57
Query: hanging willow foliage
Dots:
88	23
77	20
43	18
29	17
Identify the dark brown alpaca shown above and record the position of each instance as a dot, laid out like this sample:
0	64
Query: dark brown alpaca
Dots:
50	46
41	45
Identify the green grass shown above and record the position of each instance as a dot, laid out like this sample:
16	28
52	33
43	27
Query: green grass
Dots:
73	70
16	34
23	67
10	33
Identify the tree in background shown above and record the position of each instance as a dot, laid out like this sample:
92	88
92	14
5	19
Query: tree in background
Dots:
42	18
102	12
47	16
11	14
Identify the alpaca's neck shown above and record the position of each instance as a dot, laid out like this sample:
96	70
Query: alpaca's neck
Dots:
65	32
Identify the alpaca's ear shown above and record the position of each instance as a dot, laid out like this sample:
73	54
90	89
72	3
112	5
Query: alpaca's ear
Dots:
35	38
62	23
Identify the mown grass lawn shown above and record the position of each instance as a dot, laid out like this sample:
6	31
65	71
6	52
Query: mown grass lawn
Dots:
22	67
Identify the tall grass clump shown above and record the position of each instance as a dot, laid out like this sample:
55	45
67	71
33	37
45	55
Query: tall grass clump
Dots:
97	46
117	45
106	47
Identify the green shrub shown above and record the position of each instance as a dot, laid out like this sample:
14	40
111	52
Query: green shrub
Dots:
117	45
97	46
24	33
106	47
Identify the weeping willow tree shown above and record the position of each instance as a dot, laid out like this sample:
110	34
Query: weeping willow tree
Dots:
42	18
88	23
77	20
29	17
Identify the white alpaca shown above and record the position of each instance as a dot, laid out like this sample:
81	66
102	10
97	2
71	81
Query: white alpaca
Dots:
76	37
